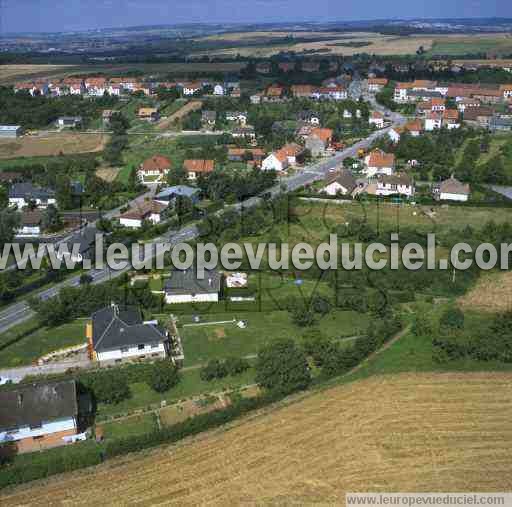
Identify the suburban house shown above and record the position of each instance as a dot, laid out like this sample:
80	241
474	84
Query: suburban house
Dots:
451	190
10	131
208	118
116	334
376	84
506	91
318	141
302	91
68	121
378	162
281	159
149	114
376	119
449	118
186	287
246	132
398	183
342	182
196	167
154	169
309	117
168	195
191	88
80	245
96	86
238	116
243	154
34	417
218	89
30	225
334	92
150	211
22	194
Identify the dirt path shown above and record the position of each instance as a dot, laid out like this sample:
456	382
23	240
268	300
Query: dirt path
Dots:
188	108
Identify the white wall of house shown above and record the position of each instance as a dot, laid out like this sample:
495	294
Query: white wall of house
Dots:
445	196
378	122
272	163
47	428
400	95
29	230
133	223
394	135
20	202
386	189
335	188
131	352
191	298
373	171
432	124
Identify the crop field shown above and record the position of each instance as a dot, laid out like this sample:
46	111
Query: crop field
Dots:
183	111
492	293
472	44
13	72
447	432
51	145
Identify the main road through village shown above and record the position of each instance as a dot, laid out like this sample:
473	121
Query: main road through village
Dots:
20	312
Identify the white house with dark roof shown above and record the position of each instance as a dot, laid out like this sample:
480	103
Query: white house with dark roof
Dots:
39	416
186	287
21	194
451	190
342	182
117	334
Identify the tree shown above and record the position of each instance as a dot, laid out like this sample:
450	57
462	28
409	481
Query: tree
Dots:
453	318
236	365
215	369
51	220
85	279
9	221
163	375
110	387
282	367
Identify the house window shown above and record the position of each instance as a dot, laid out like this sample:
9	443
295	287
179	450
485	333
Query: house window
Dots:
141	347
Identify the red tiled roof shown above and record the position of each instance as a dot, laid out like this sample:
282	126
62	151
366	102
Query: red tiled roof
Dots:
302	89
198	166
156	163
380	159
324	134
378	81
451	114
414	126
143	210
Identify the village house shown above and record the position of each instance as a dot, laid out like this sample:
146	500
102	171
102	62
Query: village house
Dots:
451	119
340	183
10	131
168	195
467	103
149	211
186	287
282	159
395	133
241	154
195	167
433	121
208	118
376	119
96	86
30	224
238	116
39	88
398	183
500	123
376	84
192	88
218	90
246	132
154	169
451	190
379	162
318	141
22	194
479	116
68	122
74	86
34	417
310	117
335	92
401	92
149	114
506	91
304	91
273	93
116	334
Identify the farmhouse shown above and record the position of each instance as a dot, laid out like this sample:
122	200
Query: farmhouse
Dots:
10	131
117	334
154	168
185	287
34	417
22	194
150	211
378	162
342	183
195	167
451	190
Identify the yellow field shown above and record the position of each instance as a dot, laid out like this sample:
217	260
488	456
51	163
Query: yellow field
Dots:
492	293
51	145
9	72
444	432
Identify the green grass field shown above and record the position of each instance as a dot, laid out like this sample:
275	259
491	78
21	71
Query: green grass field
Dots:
129	427
463	45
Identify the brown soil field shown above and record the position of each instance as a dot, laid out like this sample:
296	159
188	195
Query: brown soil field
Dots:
492	293
108	174
13	72
188	108
413	432
51	145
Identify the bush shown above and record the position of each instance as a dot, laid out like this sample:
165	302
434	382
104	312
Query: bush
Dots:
109	386
453	318
215	369
163	375
236	365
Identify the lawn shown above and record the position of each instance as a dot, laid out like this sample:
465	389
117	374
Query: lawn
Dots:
27	342
190	385
219	341
129	427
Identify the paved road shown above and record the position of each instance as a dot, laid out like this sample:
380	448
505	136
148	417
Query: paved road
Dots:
20	312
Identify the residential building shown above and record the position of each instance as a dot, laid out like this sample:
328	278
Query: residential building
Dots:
256	98
451	119
96	86
340	183
310	66
80	246
68	122
192	88
209	118
150	211
479	116
34	417
467	103
500	123
282	159
239	116
30	225
395	134
116	334
196	167
401	92
22	194
310	117
376	119
149	114
154	169
10	131
506	91
398	183
218	89
433	121
168	195
273	93
451	190
246	132
379	162
302	91
242	154
376	84
186	287
318	141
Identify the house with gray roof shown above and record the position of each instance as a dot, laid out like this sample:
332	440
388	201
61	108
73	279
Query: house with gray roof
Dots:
451	190
22	194
186	287
38	416
168	195
119	333
342	182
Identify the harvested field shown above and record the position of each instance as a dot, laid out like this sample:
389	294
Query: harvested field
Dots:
492	293
188	108
16	72
108	174
444	432
52	144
